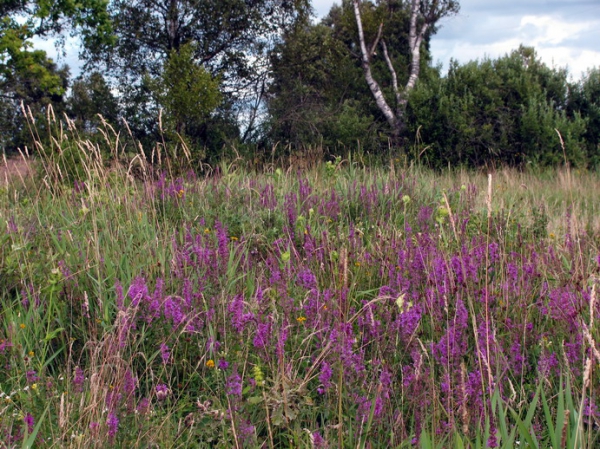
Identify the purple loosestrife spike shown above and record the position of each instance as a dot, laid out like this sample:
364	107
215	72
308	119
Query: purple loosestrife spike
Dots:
233	385
307	280
262	336
154	303
188	293
325	378
518	361
172	310
162	392
130	383
112	423
246	431
318	442
304	189
143	406
222	364
31	377
290	204
223	243
120	297
239	319
78	380
138	291
165	354
548	363
493	440
29	421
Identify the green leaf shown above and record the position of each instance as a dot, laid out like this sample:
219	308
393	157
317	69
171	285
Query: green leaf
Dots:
52	335
255	400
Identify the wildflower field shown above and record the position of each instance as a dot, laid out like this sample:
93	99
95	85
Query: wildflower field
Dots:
340	306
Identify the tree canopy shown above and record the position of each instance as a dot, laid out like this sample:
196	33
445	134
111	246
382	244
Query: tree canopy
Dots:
253	75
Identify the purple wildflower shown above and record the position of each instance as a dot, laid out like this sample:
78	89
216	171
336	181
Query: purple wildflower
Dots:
173	310
222	364
138	291
234	384
325	377
143	406
247	431
165	354
162	392
239	319
130	383
318	441
261	338
4	346
112	422
78	379
31	377
307	279
29	421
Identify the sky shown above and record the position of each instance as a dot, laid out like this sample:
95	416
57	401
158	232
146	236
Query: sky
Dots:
564	33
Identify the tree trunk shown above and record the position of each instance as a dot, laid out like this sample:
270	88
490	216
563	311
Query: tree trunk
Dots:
366	66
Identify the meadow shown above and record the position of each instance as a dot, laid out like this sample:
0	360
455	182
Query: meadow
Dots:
344	305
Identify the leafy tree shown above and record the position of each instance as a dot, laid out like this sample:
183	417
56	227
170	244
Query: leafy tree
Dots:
423	17
229	38
312	99
28	75
188	94
319	94
90	97
496	111
585	101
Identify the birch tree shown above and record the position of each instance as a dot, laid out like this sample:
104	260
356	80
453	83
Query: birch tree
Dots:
424	15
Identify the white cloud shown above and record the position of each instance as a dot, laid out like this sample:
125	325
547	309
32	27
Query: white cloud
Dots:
543	30
565	33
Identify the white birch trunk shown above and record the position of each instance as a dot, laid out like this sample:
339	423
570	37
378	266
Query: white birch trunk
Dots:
366	66
434	10
415	38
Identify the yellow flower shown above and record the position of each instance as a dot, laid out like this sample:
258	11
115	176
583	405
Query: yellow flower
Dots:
233	238
22	326
301	319
34	387
31	353
210	363
357	264
180	193
206	231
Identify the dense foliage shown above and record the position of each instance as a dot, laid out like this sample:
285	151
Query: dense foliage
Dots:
209	79
504	111
28	75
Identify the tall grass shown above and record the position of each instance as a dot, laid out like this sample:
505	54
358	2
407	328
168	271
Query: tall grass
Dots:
337	306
